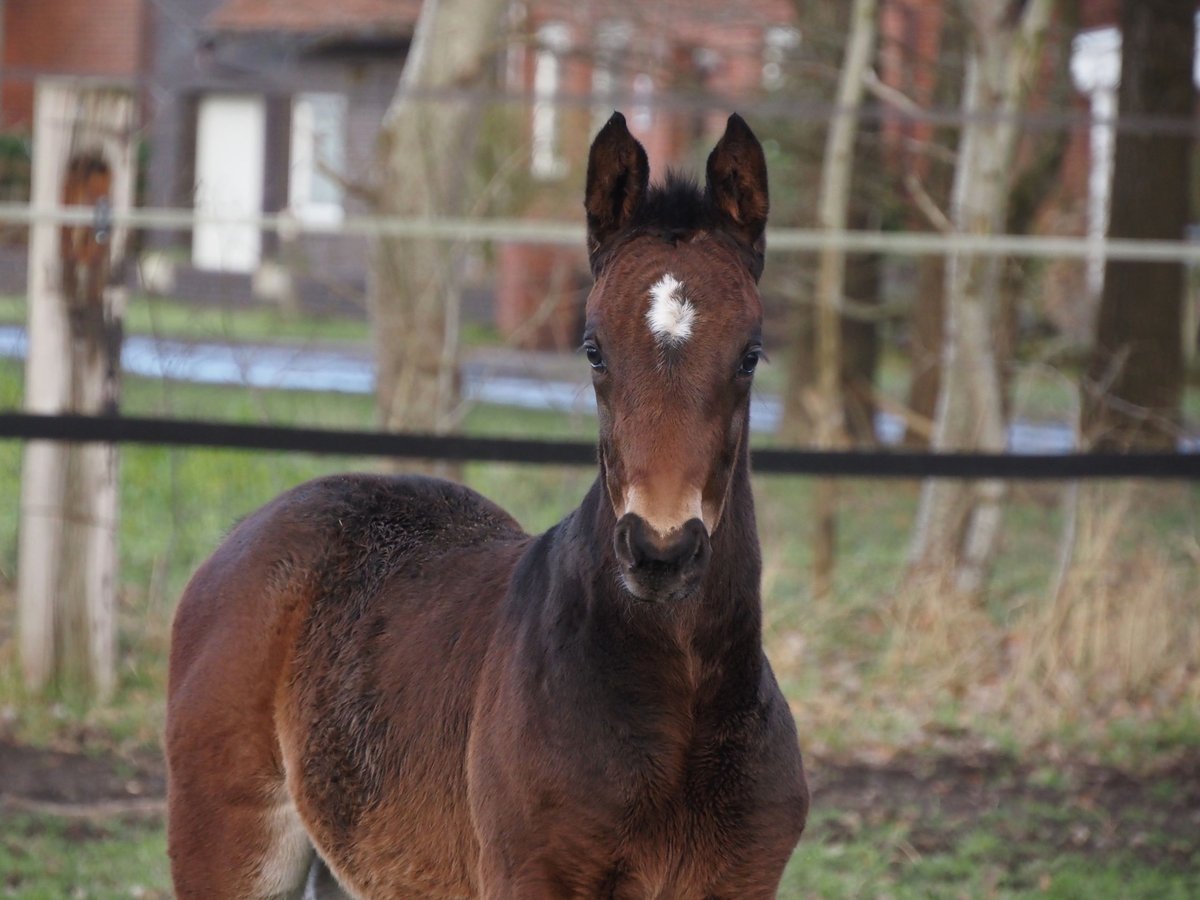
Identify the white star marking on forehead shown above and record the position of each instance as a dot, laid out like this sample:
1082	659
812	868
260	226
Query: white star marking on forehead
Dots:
671	315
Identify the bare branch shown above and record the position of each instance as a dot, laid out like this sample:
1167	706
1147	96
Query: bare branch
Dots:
926	204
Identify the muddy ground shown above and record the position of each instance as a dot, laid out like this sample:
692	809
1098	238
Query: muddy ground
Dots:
1078	808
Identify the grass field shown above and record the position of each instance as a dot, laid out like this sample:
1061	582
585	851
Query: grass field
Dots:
1077	783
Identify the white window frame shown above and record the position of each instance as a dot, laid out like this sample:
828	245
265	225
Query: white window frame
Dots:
546	159
312	163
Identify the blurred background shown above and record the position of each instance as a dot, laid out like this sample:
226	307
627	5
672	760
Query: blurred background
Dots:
368	215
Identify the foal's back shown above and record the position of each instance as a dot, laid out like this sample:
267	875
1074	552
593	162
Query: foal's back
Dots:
294	650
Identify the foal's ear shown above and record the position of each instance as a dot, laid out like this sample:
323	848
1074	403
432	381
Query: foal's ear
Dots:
617	175
737	183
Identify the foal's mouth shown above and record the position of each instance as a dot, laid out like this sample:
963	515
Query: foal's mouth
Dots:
650	597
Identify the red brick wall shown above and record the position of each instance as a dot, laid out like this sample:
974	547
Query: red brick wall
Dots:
72	37
909	47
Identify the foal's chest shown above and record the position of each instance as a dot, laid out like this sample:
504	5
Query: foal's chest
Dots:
669	828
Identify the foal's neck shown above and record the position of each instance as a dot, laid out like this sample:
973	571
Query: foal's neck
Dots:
723	614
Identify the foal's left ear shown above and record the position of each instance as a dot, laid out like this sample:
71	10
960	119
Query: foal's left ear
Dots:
737	185
617	174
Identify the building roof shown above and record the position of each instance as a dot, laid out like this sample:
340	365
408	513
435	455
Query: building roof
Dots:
378	17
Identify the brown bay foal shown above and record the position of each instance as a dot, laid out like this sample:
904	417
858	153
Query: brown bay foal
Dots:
389	673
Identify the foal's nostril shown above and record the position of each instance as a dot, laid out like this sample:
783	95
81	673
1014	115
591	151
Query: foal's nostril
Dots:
629	541
695	539
638	547
623	540
700	536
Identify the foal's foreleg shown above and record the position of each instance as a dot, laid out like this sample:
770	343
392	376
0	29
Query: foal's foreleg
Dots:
226	847
232	828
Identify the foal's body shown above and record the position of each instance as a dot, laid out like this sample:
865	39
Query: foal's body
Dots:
624	782
390	671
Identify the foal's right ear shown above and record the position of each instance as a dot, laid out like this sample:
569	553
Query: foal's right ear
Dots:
617	174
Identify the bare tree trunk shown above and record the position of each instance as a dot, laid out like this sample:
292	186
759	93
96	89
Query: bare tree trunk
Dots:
860	321
1134	384
828	21
424	152
922	152
958	522
67	566
831	277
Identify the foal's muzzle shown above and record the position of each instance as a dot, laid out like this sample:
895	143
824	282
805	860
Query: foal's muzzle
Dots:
655	567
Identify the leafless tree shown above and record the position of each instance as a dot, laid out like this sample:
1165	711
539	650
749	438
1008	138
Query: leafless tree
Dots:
831	275
958	522
1134	384
424	154
820	74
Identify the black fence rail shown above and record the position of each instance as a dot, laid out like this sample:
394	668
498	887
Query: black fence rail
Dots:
458	448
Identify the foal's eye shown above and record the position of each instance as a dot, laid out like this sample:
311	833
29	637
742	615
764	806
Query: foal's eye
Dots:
594	356
749	362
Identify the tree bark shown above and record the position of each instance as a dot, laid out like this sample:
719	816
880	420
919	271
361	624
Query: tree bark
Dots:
424	150
1134	383
958	522
858	337
832	209
922	151
67	564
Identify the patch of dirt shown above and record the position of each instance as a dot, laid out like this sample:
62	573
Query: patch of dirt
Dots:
76	784
1086	809
1081	808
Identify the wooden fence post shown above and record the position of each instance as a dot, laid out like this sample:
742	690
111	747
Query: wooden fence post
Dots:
67	562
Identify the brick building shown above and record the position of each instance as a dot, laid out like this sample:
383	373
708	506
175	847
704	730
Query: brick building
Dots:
270	106
104	39
247	105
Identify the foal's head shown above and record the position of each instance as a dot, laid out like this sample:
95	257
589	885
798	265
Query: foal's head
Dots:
673	334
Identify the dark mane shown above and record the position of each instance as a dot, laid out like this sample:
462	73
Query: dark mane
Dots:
676	207
674	210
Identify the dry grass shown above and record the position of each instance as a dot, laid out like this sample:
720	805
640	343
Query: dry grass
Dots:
941	634
1122	630
1112	639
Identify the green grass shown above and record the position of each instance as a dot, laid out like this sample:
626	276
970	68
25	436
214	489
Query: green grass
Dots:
48	858
259	322
1004	854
